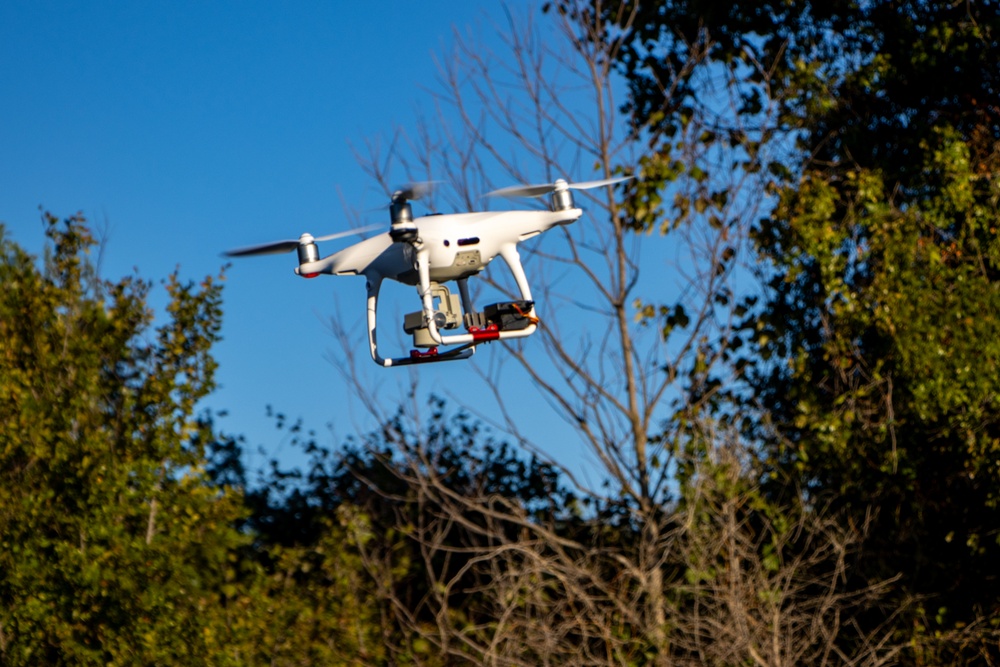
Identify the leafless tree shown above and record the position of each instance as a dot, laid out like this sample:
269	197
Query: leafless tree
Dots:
744	581
637	301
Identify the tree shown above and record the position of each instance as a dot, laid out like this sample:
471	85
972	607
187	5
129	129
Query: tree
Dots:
116	548
874	354
414	576
634	362
610	385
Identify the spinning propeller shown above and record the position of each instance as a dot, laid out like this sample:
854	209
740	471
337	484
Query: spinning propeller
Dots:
562	198
546	188
415	190
288	245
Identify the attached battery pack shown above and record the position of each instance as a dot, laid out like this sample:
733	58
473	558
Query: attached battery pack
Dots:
510	315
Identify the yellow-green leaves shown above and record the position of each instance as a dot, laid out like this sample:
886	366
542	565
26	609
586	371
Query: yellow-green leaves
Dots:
120	536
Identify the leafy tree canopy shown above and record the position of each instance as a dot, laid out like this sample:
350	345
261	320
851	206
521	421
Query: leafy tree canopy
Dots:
874	351
115	545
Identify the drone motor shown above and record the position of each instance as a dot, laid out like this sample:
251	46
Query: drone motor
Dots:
308	252
562	197
404	229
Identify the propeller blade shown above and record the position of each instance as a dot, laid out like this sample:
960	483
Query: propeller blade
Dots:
588	185
273	248
523	191
278	247
415	190
546	188
349	232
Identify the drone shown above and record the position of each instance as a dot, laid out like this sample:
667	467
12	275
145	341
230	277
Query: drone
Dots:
432	250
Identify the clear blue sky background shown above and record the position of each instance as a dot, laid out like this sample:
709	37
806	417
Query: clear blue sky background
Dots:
187	128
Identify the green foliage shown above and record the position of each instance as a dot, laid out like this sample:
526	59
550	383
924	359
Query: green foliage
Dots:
305	605
113	542
389	493
119	538
889	317
872	360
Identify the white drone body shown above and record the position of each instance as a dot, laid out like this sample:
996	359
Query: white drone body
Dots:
432	250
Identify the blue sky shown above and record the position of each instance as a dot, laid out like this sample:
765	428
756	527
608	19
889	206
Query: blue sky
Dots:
186	128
